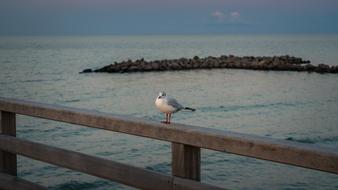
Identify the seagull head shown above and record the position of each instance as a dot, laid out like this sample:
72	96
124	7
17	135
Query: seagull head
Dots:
161	95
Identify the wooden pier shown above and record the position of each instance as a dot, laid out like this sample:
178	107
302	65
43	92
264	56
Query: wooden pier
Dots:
186	144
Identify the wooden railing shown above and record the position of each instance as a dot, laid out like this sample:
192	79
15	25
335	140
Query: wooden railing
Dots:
186	144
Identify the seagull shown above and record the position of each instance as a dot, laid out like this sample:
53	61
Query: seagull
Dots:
168	106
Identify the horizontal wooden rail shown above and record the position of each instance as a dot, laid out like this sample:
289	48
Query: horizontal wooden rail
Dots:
9	182
298	154
122	173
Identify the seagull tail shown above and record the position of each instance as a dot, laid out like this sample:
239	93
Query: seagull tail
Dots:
191	109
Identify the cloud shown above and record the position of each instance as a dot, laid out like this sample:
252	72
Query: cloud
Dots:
222	17
235	15
229	22
218	15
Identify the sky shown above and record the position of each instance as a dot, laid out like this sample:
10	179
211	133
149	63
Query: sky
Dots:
134	17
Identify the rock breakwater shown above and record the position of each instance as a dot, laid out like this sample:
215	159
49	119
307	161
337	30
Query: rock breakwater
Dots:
275	63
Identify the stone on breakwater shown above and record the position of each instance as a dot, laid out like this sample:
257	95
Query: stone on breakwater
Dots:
87	71
275	63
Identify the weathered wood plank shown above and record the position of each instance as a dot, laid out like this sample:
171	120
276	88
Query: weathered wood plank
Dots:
186	161
122	173
8	127
303	155
9	182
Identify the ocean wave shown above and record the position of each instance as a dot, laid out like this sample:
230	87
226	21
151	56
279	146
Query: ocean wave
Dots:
39	80
72	100
314	140
233	108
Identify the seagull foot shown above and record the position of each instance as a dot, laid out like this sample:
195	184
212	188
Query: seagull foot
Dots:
165	122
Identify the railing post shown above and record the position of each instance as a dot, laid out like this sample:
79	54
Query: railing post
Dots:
186	161
8	127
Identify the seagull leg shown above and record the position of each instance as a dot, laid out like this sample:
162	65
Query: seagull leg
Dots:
166	118
169	118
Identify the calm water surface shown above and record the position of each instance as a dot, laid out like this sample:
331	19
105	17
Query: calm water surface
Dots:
300	107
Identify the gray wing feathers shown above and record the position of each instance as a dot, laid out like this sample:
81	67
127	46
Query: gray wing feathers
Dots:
174	103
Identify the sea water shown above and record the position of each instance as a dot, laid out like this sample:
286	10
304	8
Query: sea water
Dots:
295	106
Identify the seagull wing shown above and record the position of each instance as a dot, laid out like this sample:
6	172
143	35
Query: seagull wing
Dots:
173	102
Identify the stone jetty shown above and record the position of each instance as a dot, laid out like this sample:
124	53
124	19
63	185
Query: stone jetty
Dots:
275	63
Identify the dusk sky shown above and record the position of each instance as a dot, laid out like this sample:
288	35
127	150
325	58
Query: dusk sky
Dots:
126	17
